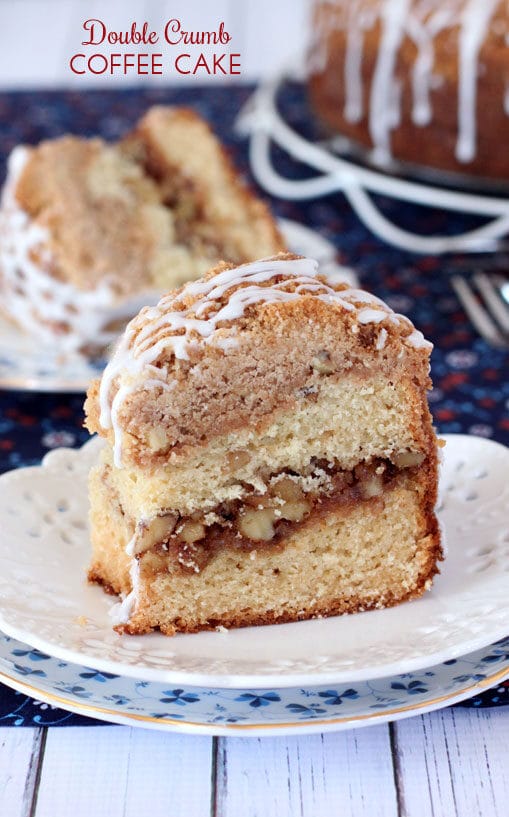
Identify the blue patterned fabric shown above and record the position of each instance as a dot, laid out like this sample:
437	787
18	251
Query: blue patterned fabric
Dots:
471	388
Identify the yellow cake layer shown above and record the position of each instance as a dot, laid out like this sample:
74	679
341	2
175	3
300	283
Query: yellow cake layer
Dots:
372	554
350	421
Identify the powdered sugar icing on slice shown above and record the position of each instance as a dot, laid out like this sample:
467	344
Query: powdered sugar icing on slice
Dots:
202	307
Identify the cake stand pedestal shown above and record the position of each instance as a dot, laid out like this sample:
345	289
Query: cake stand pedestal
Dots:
262	121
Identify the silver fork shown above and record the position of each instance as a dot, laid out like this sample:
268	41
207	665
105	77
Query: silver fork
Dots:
491	317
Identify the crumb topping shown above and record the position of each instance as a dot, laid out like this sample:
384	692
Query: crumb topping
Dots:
198	310
212	311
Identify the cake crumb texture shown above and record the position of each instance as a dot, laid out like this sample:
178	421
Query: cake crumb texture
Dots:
269	454
378	554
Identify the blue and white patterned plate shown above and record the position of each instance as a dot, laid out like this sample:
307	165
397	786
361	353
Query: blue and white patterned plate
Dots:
28	364
216	711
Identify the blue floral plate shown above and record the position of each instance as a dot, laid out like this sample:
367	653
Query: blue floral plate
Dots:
211	711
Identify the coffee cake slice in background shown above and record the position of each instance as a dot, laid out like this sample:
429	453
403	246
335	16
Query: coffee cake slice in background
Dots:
91	231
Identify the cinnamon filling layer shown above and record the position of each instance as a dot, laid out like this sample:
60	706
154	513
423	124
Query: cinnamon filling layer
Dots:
190	219
265	520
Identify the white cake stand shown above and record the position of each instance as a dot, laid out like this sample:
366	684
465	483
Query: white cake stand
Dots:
261	120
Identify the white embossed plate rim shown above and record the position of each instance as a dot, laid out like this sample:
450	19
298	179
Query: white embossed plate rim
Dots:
45	546
28	365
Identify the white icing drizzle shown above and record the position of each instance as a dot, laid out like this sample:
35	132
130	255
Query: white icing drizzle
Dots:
360	296
384	112
371	316
121	612
381	339
474	23
317	54
420	21
418	341
227	343
41	304
358	21
219	300
423	26
129	548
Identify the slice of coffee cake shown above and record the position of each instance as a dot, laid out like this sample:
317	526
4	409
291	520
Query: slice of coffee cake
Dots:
91	231
269	454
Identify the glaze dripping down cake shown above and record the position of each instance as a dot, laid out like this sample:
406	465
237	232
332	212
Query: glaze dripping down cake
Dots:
269	454
91	231
423	81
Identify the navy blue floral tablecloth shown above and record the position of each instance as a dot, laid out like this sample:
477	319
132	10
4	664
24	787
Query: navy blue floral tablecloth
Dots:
471	386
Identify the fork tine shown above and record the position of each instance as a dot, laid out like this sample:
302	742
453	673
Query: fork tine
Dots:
477	314
498	309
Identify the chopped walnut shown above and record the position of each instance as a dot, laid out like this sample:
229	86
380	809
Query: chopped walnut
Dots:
373	486
151	533
191	531
237	459
295	511
322	363
408	459
287	489
157	439
257	524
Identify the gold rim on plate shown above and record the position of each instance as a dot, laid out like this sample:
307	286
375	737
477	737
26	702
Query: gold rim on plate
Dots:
105	714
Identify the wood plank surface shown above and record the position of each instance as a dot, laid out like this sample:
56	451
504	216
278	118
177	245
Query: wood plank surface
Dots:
347	773
123	772
447	764
20	758
454	763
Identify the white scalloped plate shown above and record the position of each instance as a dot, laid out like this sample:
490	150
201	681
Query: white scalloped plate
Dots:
46	602
29	365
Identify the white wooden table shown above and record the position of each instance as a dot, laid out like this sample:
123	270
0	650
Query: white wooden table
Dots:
452	763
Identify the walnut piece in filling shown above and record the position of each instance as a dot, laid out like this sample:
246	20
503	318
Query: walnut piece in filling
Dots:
264	520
